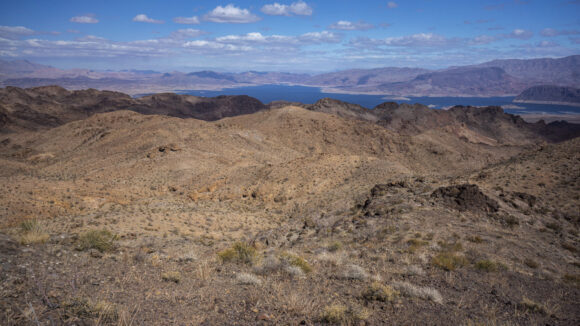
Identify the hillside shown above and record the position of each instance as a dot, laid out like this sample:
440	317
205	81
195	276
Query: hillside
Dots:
550	94
324	214
50	106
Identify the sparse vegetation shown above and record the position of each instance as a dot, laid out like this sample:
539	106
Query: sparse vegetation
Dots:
343	315
532	306
33	232
171	276
240	253
380	292
101	240
425	293
295	260
487	266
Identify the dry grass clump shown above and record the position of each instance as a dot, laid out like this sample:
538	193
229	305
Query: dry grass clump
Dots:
474	239
380	292
102	240
414	270
532	306
82	308
297	261
419	292
416	244
33	232
172	276
572	278
240	253
487	265
248	279
531	263
354	272
447	259
343	315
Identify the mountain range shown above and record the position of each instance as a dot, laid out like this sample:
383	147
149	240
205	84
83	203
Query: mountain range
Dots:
494	78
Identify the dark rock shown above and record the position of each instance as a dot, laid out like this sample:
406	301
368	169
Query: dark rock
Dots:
465	197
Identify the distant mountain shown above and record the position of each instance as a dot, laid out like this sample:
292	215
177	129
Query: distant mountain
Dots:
550	94
494	78
365	77
563	71
465	81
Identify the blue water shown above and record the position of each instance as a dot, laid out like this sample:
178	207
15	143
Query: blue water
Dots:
303	94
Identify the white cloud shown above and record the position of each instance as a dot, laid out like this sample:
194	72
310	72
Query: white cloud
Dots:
418	40
186	20
257	38
86	19
483	39
392	4
350	26
142	18
14	32
550	32
186	33
547	44
295	8
230	14
518	33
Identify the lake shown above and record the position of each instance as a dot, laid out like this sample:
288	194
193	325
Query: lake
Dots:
303	94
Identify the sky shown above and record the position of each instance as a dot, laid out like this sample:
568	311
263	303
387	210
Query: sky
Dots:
290	36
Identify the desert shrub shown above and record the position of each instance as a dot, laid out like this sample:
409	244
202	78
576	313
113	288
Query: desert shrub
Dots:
83	308
425	293
354	272
295	260
572	278
33	232
531	263
415	244
532	306
474	239
449	261
102	240
240	253
173	276
343	315
248	279
380	292
335	246
486	266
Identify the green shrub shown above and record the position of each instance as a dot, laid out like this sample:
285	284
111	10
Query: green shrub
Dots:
295	260
380	292
343	315
240	253
33	232
487	266
102	240
449	261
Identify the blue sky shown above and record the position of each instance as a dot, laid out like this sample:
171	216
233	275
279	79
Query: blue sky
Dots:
295	36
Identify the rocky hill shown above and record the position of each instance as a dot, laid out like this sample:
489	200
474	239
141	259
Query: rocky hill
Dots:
550	94
51	106
323	214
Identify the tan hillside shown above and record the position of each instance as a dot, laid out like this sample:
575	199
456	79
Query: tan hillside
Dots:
288	215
